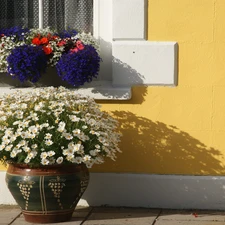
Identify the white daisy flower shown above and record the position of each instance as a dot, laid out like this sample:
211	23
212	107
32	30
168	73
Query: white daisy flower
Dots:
22	143
78	160
76	132
74	118
44	161
44	155
59	160
93	152
51	153
61	127
27	160
70	158
32	154
86	158
51	160
33	129
48	136
34	146
68	136
65	151
8	132
2	146
12	138
26	148
3	118
48	142
92	122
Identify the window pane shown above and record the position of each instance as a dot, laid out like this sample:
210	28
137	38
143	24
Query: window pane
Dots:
58	14
63	14
18	13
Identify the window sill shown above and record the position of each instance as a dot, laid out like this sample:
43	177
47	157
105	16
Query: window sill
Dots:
99	90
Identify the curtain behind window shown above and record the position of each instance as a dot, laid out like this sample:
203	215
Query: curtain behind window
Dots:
18	13
58	14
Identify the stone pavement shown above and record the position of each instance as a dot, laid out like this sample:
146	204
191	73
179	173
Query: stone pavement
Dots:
11	215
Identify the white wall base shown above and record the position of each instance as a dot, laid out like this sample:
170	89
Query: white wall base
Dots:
143	190
5	196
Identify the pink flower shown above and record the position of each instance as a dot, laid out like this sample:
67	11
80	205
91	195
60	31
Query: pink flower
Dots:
79	45
74	50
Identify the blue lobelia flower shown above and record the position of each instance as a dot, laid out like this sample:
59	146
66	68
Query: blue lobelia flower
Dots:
27	62
79	67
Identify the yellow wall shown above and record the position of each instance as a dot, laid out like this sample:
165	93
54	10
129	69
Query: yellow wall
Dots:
179	130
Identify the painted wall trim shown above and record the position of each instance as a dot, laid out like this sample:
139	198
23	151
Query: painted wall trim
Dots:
128	58
144	190
144	62
99	90
125	13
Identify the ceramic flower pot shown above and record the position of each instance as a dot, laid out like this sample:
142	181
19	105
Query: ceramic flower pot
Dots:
48	194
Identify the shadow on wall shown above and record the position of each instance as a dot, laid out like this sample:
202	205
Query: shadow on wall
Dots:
138	97
154	147
131	75
127	75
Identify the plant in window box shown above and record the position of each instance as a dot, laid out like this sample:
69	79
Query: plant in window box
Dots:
49	137
26	54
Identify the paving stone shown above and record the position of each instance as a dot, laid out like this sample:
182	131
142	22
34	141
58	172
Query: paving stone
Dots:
173	222
116	218
73	221
8	214
81	212
192	215
124	210
123	216
77	218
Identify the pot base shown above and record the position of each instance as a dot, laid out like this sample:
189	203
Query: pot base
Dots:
48	217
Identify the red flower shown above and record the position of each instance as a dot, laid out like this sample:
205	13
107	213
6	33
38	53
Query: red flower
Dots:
79	45
36	41
49	36
47	50
61	43
54	37
44	41
195	214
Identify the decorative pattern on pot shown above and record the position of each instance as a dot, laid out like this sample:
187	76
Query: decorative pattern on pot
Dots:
56	186
25	187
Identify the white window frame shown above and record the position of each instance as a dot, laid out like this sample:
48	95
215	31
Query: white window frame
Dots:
120	26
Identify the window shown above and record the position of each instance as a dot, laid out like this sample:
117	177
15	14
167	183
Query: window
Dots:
128	58
57	14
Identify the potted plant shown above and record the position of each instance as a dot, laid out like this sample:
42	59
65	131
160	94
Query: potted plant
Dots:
25	54
49	138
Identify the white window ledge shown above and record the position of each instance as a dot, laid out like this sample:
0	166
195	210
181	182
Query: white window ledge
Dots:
99	90
103	90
